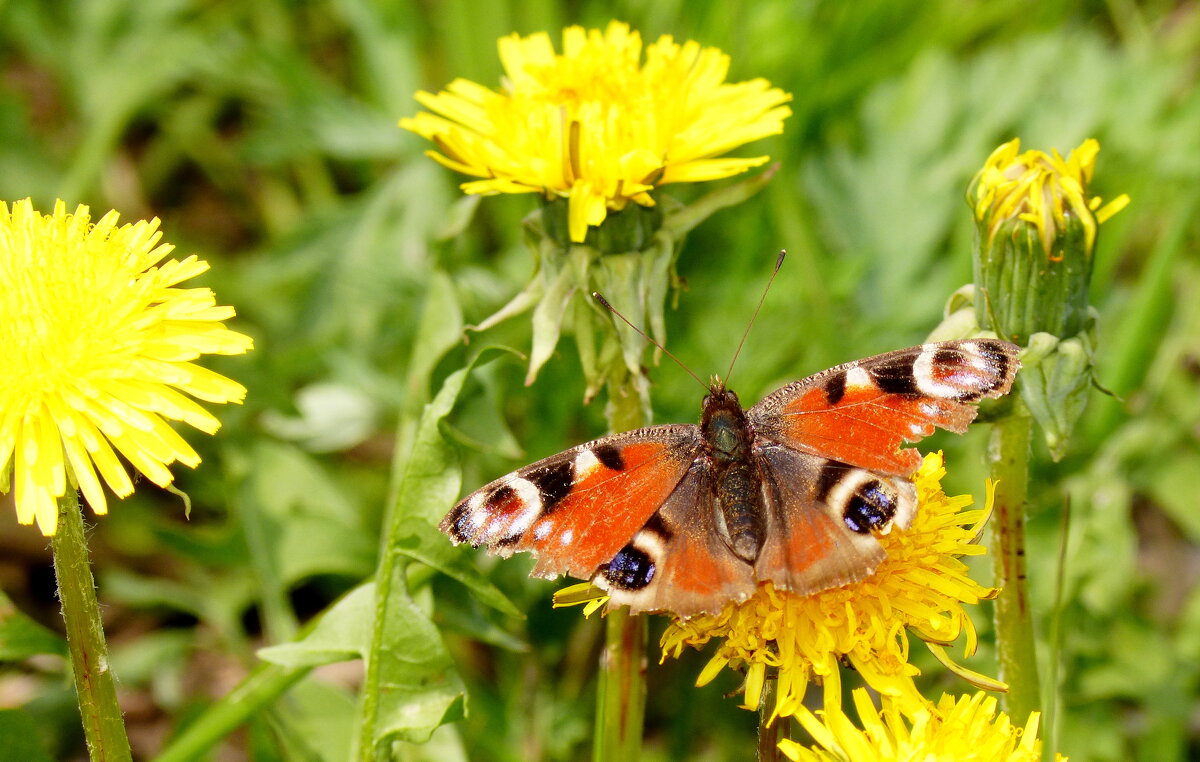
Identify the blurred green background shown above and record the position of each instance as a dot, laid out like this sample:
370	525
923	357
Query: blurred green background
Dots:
263	135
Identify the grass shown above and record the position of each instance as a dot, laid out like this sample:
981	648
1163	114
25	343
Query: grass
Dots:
264	136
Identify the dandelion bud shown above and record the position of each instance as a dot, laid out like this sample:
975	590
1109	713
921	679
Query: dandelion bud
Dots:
1036	227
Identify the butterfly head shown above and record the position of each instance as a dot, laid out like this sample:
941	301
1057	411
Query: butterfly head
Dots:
723	423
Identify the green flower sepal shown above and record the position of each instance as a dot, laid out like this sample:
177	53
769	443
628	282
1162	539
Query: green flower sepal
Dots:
630	259
1055	376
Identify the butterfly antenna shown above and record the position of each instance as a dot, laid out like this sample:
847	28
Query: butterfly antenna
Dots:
761	299
600	298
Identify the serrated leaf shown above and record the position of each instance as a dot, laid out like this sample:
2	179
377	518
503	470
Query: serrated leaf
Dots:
411	683
431	476
418	686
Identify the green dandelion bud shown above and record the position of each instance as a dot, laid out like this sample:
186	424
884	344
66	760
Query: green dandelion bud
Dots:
1036	227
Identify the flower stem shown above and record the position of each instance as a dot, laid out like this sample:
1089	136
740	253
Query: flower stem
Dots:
103	726
622	691
1009	457
770	733
621	699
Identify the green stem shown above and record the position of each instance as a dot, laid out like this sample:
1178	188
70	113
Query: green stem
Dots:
258	690
621	699
103	726
622	691
770	733
1017	653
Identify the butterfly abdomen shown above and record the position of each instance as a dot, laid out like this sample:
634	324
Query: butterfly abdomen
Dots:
737	500
738	506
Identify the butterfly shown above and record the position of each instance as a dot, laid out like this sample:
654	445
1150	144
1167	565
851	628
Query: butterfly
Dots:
795	490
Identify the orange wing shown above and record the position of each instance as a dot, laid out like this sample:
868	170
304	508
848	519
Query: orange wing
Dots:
862	412
577	509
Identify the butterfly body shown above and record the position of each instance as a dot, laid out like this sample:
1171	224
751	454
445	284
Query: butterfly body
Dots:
736	479
795	490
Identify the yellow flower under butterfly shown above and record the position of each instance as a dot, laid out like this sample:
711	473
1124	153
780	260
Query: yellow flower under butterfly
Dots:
962	729
596	124
920	587
97	343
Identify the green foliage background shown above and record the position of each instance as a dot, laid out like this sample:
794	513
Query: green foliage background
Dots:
263	134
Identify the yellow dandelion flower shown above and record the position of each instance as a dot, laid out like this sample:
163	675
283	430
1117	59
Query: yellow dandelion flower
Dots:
920	587
596	124
963	729
97	343
1043	190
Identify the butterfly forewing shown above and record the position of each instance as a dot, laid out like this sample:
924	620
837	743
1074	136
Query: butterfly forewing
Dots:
577	509
862	412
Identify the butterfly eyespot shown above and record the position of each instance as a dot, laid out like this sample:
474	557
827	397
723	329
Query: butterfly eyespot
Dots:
870	507
630	569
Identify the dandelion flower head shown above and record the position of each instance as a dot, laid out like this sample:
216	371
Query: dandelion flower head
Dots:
97	343
962	729
597	124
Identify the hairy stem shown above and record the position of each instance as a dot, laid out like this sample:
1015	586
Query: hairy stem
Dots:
1009	457
770	733
103	725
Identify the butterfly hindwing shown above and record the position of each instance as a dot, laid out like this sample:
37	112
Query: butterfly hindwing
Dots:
577	509
822	527
677	561
824	519
861	412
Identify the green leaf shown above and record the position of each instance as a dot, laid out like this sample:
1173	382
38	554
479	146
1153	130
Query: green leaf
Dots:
343	633
425	544
316	722
417	686
21	637
412	685
313	527
440	329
